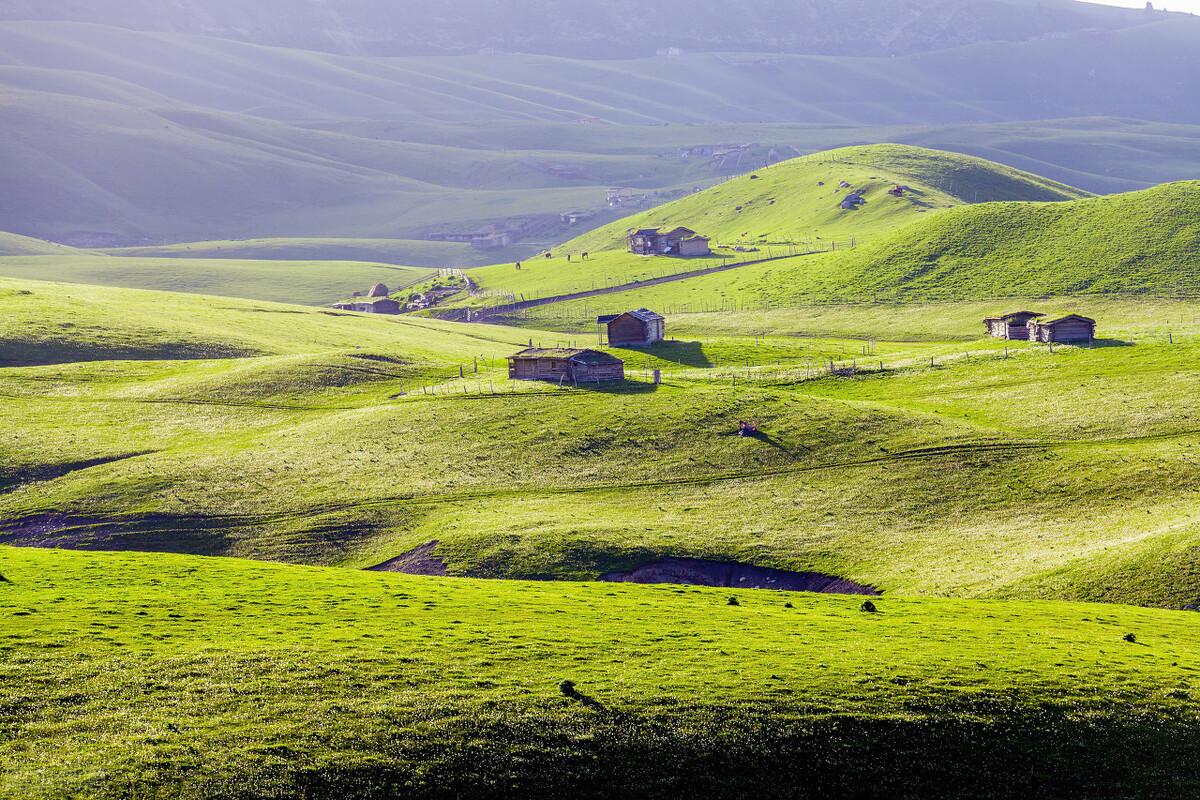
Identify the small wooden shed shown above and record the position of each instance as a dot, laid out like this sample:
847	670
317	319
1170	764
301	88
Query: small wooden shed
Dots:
571	365
640	327
1071	328
1011	326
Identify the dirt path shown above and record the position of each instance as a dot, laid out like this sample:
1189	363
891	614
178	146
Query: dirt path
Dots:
483	314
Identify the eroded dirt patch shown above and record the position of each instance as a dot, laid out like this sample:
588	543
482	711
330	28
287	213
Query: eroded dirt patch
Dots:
155	534
418	561
702	572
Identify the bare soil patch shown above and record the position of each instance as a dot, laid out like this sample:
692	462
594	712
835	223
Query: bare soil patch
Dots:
702	572
418	561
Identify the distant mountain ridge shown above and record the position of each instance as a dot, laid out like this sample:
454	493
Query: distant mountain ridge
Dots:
616	28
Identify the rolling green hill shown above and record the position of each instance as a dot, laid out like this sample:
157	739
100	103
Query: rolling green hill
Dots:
798	200
200	678
316	282
1135	243
792	206
12	244
295	434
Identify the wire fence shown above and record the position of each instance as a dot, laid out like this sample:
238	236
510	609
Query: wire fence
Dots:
1180	291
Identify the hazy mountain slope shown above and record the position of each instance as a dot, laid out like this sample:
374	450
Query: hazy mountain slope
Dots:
619	27
115	137
1118	72
12	244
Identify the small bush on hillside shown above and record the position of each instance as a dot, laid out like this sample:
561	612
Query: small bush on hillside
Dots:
1129	637
868	607
733	601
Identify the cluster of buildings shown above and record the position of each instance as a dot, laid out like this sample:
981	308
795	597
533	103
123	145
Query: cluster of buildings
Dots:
681	241
581	365
376	301
1034	327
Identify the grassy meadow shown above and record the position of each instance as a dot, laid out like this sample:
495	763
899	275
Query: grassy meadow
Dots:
160	675
316	282
1029	514
296	434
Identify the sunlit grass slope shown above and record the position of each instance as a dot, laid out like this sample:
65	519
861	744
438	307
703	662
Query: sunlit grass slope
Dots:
788	203
1145	242
794	205
155	675
966	467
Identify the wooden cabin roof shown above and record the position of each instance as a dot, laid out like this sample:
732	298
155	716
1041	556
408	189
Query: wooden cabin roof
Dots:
579	355
641	314
1014	315
1068	317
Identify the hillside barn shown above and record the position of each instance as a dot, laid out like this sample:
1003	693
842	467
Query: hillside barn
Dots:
565	364
371	305
1011	326
639	327
1071	328
683	242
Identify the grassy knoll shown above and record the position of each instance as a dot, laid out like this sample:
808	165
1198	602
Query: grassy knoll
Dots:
12	244
310	283
303	435
798	200
793	206
1139	243
161	675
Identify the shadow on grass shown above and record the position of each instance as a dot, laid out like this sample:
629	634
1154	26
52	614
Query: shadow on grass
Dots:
1107	343
688	354
621	387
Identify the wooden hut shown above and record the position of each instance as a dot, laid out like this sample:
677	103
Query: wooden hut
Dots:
640	327
571	365
1011	326
1071	328
676	242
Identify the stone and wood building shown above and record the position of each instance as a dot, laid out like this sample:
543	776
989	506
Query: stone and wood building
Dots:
639	328
683	242
376	301
1011	326
1072	328
565	365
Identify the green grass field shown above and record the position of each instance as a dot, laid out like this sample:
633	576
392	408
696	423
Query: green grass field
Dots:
312	436
156	675
1030	514
309	282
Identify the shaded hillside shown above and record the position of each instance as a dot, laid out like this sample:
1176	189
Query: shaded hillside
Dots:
619	28
115	137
